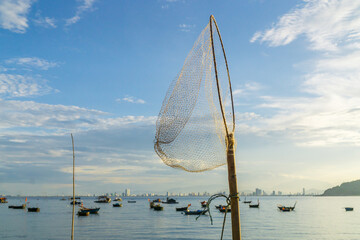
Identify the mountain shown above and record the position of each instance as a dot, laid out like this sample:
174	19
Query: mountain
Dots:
345	189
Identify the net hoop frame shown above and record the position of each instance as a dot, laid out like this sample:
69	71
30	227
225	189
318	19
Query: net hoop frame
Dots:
212	20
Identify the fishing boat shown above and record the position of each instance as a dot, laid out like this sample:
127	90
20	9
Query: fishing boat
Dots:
183	208
117	199
157	200
254	205
33	209
286	209
83	213
170	201
203	204
23	206
90	210
76	203
223	209
158	207
197	212
103	199
218	206
349	209
117	205
131	201
3	200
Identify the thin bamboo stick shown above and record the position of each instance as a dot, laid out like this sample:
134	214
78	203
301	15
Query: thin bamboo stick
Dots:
73	210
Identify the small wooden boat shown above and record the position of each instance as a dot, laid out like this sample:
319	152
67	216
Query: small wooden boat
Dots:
90	210
223	209
83	213
117	205
103	199
157	200
3	200
131	201
349	209
152	204
254	205
170	201
76	203
117	200
23	206
158	207
218	206
286	209
183	208
203	204
197	212
33	209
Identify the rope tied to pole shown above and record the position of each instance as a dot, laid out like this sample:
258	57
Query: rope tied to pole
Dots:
228	204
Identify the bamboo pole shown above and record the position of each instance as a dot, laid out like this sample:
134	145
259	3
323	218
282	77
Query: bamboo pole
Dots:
234	196
73	210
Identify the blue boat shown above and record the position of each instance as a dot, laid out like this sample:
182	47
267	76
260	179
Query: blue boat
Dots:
90	210
197	212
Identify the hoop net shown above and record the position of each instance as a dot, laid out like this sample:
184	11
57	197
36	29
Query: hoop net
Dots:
197	115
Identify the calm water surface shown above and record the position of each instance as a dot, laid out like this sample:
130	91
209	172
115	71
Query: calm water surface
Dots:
313	218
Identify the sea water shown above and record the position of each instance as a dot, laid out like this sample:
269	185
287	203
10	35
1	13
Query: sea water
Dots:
314	218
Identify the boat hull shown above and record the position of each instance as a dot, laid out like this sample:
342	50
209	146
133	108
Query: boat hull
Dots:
34	209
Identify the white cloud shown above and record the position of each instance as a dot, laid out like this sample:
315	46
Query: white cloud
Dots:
327	113
86	6
326	24
32	62
45	22
13	15
60	118
131	99
12	85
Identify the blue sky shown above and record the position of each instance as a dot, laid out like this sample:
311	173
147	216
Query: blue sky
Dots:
100	70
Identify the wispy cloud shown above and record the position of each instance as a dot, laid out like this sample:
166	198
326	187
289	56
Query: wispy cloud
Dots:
85	6
32	62
45	22
131	99
13	15
12	85
186	27
327	114
325	24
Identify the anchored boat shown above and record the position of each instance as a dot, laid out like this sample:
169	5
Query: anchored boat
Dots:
33	209
170	201
23	206
183	208
103	199
197	212
158	207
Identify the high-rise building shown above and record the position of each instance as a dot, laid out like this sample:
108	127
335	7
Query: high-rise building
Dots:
303	191
279	193
257	192
127	192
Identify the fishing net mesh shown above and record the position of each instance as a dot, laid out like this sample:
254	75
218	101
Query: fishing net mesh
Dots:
190	129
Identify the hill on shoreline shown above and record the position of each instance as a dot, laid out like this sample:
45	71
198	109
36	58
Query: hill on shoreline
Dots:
345	189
